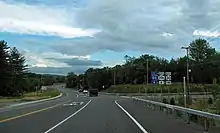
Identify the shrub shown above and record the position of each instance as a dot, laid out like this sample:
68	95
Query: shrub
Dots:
210	101
181	100
164	100
172	101
218	106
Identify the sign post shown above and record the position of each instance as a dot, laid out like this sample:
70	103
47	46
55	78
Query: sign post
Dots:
184	87
154	81
161	79
164	79
168	82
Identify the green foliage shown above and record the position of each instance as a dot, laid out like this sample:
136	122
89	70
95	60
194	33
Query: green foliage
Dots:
218	105
203	60
181	101
164	100
200	50
72	80
15	79
172	101
48	80
4	67
150	88
17	69
214	81
46	93
210	101
215	91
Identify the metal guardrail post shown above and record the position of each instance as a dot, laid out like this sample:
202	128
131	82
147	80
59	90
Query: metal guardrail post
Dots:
187	118
206	124
176	114
167	111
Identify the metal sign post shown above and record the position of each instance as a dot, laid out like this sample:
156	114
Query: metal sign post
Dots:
184	87
154	80
164	79
168	82
161	79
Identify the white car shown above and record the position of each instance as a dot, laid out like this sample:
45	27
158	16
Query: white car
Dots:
85	91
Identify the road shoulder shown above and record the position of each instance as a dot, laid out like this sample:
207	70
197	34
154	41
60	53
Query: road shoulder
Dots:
156	121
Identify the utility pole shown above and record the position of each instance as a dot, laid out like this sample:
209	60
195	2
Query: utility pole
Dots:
147	71
114	76
184	87
146	77
187	68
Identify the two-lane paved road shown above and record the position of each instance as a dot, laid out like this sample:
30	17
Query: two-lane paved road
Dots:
102	114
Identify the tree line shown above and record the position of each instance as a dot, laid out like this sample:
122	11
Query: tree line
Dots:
204	63
15	77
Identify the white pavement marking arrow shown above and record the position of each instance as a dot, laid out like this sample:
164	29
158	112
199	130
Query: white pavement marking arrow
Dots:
73	103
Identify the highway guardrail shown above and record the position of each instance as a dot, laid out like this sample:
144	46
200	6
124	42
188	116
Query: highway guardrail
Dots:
156	94
209	118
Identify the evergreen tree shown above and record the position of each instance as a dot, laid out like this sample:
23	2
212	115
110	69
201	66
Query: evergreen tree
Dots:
17	67
4	68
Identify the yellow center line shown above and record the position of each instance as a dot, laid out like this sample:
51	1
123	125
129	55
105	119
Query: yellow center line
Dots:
30	113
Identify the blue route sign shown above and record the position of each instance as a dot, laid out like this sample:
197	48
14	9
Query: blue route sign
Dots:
154	77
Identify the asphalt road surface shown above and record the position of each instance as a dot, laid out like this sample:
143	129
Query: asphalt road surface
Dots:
78	113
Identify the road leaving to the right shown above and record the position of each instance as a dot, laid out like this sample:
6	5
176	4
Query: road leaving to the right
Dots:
102	114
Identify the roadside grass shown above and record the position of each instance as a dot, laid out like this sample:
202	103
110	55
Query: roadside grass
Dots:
2	105
150	88
31	96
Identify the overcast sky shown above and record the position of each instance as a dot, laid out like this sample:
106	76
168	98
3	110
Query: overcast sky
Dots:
59	36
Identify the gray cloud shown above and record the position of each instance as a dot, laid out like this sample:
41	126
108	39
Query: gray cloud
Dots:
55	70
78	62
138	25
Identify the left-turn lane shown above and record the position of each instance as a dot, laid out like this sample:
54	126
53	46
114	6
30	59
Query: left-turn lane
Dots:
38	117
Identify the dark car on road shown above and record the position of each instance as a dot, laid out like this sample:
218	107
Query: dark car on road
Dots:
93	91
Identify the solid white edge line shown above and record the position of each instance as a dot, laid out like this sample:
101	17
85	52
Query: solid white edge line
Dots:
132	118
67	118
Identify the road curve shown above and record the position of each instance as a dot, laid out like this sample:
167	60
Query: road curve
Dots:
79	113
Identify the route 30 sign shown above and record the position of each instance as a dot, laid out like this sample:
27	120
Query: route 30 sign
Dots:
164	78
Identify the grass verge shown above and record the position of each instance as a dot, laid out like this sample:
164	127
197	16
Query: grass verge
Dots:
30	96
150	88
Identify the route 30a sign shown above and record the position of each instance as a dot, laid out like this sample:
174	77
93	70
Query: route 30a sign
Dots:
164	78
